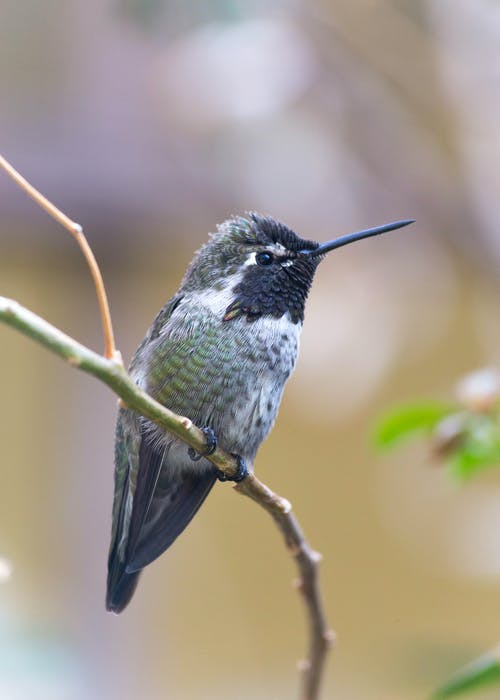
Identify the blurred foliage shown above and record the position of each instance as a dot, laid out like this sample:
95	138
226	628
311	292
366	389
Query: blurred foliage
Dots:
482	672
465	435
404	421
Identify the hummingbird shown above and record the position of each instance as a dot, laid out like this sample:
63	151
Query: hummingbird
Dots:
219	352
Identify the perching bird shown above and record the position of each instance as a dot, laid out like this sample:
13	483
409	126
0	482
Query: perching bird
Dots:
219	352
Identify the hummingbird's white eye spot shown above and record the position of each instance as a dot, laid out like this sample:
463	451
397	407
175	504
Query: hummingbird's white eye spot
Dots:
250	260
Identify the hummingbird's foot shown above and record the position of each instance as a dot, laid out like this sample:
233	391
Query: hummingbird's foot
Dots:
241	474
209	449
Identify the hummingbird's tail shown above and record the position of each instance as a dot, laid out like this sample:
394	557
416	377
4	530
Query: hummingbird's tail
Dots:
121	587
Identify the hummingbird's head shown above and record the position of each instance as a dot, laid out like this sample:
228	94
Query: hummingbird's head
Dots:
260	267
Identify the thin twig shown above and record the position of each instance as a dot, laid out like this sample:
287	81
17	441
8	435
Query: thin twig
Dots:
307	560
77	233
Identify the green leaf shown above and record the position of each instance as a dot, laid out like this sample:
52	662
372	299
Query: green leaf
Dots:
401	422
483	671
479	449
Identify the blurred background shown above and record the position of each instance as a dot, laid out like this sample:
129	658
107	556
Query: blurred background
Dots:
149	122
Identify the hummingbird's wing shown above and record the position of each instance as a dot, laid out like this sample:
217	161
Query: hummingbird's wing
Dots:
147	518
120	585
165	501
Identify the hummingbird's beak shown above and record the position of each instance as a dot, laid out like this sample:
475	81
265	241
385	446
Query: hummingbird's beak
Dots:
351	237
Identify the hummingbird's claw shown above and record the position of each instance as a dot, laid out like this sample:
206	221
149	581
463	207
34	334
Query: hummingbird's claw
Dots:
209	449
241	474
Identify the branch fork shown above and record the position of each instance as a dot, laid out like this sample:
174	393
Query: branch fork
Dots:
109	369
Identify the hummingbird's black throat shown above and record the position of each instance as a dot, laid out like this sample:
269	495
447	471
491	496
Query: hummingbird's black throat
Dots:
281	282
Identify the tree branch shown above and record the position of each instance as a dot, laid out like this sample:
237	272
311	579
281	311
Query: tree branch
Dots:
306	560
112	372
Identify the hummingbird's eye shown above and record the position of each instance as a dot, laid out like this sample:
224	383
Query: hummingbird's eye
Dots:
264	258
